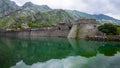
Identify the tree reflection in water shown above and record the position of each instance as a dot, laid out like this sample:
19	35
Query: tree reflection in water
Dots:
32	50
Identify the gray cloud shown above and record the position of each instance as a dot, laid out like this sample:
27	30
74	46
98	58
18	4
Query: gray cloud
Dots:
20	2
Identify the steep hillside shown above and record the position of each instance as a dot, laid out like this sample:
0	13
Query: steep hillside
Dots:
79	15
105	18
35	8
6	7
100	17
12	15
45	18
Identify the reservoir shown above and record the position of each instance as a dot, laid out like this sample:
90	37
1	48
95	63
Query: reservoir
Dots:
54	52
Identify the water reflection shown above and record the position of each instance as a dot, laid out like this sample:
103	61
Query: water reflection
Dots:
29	51
99	61
85	48
91	48
109	50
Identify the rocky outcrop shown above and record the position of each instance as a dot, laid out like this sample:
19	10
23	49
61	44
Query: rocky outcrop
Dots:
36	8
6	7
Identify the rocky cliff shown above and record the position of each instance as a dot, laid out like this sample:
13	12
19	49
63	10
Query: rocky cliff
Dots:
7	7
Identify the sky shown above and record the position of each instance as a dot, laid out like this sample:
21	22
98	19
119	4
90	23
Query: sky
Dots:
107	7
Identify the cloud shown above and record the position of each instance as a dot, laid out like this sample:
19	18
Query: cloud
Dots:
21	2
99	61
108	7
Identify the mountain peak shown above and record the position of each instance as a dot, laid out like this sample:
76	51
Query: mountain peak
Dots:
36	8
28	4
45	6
8	3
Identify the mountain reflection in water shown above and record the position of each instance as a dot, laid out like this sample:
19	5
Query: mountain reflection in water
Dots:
47	52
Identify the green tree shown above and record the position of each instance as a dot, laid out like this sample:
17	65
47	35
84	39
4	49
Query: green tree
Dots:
108	28
31	24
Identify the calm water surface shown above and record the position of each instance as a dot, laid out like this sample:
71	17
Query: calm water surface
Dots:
58	53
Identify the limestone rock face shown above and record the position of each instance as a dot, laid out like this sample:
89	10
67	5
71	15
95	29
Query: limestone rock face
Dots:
36	8
7	6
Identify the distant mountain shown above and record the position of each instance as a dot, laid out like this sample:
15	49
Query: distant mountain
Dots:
79	15
11	15
100	17
103	18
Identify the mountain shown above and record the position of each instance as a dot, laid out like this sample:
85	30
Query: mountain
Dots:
79	15
12	15
36	8
6	7
53	17
19	15
105	18
101	18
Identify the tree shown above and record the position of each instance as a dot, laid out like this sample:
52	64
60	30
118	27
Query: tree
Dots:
108	28
31	24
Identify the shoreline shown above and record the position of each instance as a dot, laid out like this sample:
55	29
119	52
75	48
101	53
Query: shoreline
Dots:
102	38
53	33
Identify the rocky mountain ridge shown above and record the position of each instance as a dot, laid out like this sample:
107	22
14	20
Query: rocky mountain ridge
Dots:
14	15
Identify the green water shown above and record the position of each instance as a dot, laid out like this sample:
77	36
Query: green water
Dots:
43	52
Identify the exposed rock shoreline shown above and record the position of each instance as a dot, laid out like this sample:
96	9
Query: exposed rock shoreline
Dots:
102	38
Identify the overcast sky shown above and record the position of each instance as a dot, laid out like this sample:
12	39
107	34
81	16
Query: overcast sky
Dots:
107	7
